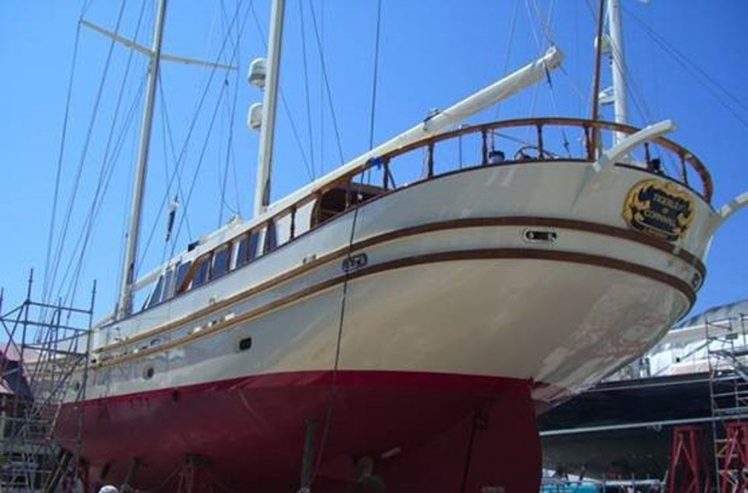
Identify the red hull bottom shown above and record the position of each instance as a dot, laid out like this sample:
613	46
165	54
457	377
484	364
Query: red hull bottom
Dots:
422	432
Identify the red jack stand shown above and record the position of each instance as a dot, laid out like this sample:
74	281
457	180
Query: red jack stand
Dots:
687	473
733	458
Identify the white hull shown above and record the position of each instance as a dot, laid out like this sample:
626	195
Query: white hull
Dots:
451	285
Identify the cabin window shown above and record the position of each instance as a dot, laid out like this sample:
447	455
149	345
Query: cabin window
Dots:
155	298
247	250
221	262
180	284
271	238
202	269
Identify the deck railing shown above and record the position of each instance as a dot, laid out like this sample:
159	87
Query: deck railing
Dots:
515	142
537	146
510	142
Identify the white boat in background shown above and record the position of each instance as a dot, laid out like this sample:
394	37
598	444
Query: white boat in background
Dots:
391	323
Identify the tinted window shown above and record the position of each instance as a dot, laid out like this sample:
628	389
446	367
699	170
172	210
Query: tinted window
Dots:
270	238
168	284
247	250
156	294
201	272
220	262
181	275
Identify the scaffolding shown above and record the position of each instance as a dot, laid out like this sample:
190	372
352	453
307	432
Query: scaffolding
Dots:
44	363
728	386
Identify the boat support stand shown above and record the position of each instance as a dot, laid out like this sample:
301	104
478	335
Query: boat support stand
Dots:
134	465
307	462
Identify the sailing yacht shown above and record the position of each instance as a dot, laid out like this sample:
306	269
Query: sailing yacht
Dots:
373	330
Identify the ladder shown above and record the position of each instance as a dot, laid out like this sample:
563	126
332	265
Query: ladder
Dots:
728	386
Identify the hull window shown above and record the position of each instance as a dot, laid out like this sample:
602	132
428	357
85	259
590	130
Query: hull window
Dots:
245	344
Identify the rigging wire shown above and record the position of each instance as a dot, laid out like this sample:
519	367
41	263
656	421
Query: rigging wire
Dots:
306	85
84	153
374	78
322	95
230	148
349	253
200	160
60	159
108	164
106	176
713	86
231	111
632	87
191	128
533	22
509	45
327	83
166	128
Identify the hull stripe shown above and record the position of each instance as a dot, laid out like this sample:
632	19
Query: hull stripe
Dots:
602	229
462	255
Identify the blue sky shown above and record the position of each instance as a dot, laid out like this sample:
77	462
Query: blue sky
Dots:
431	55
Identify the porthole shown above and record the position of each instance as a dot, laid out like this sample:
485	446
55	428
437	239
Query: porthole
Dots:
245	344
148	372
540	236
696	280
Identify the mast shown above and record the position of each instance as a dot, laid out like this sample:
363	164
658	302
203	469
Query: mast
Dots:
620	103
131	252
269	104
594	137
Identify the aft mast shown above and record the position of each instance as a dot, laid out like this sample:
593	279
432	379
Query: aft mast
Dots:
618	68
131	252
269	105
